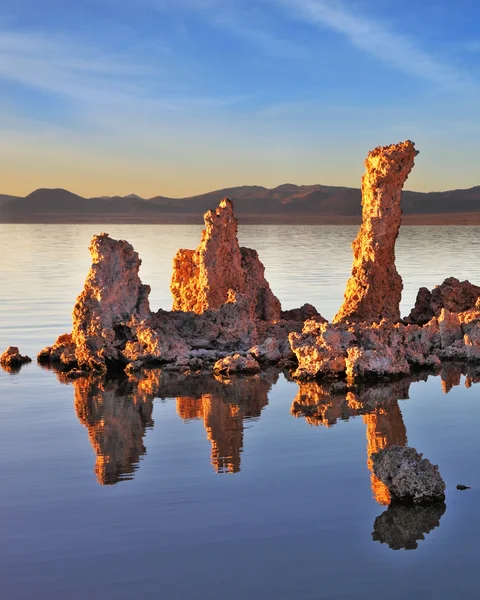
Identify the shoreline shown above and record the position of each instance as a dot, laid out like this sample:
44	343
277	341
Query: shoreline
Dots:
431	219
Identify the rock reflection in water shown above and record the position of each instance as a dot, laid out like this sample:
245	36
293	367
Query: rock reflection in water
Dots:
223	404
117	412
378	404
401	527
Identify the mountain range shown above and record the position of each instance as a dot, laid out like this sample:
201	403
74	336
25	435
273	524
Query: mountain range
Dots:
286	203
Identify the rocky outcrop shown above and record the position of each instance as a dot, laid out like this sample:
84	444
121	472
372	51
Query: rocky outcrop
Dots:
225	307
374	290
410	478
402	527
453	295
362	350
219	269
12	360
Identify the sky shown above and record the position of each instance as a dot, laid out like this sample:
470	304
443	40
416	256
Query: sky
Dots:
179	97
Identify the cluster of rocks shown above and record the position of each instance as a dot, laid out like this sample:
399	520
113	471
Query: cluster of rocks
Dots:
226	319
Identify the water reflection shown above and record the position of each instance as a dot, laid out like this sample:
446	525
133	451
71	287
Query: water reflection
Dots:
401	527
378	405
117	413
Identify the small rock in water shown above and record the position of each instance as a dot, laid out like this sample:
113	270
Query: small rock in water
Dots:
463	487
410	478
12	358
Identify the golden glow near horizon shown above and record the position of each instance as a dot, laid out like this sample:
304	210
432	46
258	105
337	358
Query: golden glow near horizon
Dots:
32	163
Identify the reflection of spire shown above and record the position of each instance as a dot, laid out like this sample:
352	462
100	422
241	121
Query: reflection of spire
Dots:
385	428
223	407
451	375
324	404
116	415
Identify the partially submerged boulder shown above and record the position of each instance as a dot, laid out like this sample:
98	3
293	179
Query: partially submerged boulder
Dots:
375	288
410	478
206	277
12	359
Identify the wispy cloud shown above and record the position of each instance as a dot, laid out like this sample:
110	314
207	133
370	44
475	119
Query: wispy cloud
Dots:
100	80
379	40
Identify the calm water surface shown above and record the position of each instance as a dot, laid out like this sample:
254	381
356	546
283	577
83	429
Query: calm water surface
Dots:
196	488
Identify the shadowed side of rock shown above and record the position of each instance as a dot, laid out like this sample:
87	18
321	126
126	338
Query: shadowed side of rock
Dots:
374	290
206	278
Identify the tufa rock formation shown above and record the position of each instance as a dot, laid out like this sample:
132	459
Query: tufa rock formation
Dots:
453	295
218	270
234	311
410	478
12	360
374	290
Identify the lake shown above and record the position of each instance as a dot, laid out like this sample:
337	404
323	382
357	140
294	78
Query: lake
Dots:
193	487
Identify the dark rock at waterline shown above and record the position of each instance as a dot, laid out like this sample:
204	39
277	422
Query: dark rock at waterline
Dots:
12	360
462	487
401	527
410	478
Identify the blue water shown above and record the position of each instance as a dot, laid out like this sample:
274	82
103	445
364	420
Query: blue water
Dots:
196	488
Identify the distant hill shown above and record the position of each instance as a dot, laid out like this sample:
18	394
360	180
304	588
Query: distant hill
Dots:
286	203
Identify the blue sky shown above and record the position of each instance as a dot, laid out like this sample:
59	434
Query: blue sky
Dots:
181	96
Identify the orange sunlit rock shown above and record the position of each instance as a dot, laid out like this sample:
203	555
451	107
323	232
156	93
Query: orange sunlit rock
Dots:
219	269
374	290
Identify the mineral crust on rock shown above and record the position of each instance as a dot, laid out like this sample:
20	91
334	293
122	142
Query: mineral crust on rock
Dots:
409	477
453	295
113	326
207	277
12	359
363	350
374	290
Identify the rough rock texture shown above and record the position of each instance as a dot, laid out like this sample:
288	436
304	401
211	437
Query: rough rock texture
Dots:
236	364
401	527
113	326
362	350
305	312
112	295
374	290
206	278
11	359
410	478
453	295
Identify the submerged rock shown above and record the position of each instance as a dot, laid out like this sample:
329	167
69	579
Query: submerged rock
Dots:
410	478
401	527
374	290
206	278
12	359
